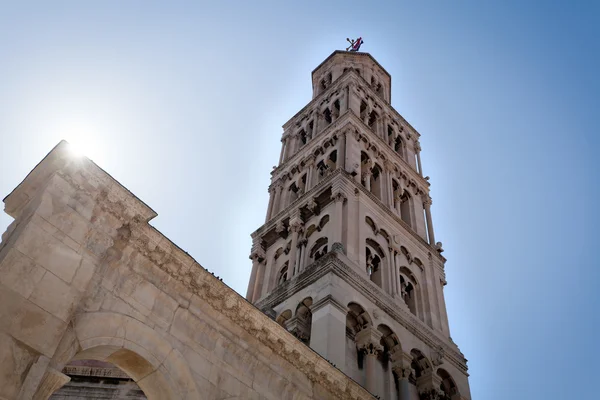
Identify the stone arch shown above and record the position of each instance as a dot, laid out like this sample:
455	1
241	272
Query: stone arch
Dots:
371	224
374	261
303	320
448	385
409	289
158	368
319	249
283	317
323	221
357	318
420	364
389	340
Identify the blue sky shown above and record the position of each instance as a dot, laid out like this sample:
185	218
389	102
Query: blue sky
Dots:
183	104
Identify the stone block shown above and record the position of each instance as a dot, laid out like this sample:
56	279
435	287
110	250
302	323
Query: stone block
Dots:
55	296
139	333
49	252
192	331
15	361
57	213
20	273
84	274
163	310
29	323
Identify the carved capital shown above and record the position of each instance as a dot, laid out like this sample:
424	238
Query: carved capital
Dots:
427	201
310	160
280	227
417	147
338	196
312	204
437	356
296	225
368	340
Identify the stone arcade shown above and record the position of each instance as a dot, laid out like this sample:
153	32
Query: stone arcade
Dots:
347	278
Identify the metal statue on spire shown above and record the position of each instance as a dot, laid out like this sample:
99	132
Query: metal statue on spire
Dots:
354	44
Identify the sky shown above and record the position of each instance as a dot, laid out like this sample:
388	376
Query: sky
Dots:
183	103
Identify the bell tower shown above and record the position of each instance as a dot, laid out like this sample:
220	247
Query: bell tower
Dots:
347	259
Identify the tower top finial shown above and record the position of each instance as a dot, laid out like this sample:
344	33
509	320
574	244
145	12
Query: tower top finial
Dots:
354	44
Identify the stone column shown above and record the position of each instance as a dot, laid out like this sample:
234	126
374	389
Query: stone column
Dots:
341	158
418	153
397	203
289	147
427	205
367	178
338	198
385	129
295	227
390	274
311	172
302	263
346	97
328	331
258	284
283	149
395	275
401	366
277	200
271	202
251	285
368	341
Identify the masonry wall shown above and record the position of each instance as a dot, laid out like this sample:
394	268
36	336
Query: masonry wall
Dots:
84	276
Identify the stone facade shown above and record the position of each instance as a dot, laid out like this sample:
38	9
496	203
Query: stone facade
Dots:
346	275
83	276
347	259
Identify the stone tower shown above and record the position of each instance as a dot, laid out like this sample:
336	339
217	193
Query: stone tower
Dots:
347	259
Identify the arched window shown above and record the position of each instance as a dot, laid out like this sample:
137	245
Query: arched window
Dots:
294	193
327	116
363	111
376	181
408	289
303	324
374	255
283	317
336	109
283	274
319	249
420	364
303	137
448	386
322	171
332	160
405	207
399	146
372	121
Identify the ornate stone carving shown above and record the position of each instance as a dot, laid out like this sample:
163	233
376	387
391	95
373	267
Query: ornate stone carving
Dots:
338	196
280	227
437	356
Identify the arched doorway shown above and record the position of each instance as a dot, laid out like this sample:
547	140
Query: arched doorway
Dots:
144	355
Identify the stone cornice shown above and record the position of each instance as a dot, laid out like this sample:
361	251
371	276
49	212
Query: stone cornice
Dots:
62	160
331	263
351	54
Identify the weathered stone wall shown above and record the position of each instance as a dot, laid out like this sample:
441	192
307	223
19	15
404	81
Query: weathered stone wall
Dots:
84	276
